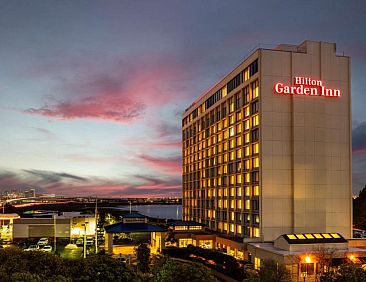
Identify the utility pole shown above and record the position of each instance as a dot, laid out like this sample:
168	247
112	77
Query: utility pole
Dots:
96	225
85	223
54	233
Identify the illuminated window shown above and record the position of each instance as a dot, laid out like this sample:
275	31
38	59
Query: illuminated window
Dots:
246	151
238	204
232	204
232	119
238	179
247	204
247	137
246	74
256	233
255	120
232	192
224	91
231	102
256	190
255	148
225	226
232	179
256	162
247	177
232	228
238	141
232	155
255	89
232	143
238	153
238	229
238	128
247	111
247	165
246	124
247	191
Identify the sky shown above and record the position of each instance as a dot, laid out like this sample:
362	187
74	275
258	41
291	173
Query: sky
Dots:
92	92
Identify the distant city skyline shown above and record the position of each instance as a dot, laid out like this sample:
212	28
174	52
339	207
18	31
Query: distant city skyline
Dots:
91	93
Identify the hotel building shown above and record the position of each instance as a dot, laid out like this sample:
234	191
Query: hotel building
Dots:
267	150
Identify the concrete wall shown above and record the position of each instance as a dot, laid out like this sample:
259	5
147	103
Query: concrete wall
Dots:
306	145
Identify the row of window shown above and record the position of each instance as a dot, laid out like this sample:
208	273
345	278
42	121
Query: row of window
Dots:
230	86
227	107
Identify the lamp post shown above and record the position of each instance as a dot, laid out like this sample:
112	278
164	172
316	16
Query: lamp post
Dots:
54	233
84	249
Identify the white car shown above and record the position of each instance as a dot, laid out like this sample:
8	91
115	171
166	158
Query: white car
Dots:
47	249
32	248
42	242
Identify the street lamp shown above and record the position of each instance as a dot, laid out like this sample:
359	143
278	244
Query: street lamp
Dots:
85	223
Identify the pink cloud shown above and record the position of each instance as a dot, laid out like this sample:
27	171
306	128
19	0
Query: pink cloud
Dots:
119	93
167	164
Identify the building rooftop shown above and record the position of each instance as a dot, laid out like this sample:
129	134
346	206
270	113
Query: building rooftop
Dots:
133	215
314	238
185	223
121	227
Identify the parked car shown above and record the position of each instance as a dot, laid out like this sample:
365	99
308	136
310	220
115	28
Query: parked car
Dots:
42	242
47	249
32	248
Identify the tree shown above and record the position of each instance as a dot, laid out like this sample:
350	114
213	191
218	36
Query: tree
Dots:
346	272
271	271
173	271
143	257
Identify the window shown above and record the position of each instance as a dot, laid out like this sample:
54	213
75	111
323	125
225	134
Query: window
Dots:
246	95
246	124
255	176
247	204
231	131
235	82
246	151
246	137
254	135
247	191
213	99
256	190
254	107
255	162
253	68
255	148
246	111
255	120
255	89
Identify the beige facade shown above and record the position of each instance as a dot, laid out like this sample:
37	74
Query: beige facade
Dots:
258	164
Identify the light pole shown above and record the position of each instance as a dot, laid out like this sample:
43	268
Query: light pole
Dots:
96	225
54	233
130	206
85	223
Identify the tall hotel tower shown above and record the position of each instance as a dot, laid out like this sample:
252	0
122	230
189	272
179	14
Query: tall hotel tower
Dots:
267	151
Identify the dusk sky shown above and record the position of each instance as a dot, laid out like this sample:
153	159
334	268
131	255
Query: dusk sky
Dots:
92	92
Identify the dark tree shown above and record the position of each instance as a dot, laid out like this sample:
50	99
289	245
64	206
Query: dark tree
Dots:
271	271
143	257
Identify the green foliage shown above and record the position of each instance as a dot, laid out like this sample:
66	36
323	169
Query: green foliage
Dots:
17	265
143	257
221	262
173	271
346	272
271	271
359	209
